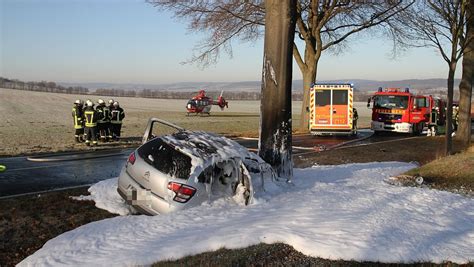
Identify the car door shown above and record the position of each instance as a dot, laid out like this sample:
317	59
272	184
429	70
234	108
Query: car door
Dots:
158	127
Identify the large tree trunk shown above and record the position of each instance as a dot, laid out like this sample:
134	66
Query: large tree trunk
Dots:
449	112
465	87
309	77
309	69
275	132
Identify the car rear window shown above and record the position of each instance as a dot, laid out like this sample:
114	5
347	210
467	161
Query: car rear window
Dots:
166	159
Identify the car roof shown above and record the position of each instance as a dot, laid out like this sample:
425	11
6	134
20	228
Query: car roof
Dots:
204	148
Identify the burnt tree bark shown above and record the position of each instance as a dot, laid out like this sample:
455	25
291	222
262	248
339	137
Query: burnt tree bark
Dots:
275	126
465	87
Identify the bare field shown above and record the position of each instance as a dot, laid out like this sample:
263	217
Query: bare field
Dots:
35	122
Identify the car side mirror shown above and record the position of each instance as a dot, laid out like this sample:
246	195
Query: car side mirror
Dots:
368	103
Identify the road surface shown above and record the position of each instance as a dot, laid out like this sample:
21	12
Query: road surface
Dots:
65	170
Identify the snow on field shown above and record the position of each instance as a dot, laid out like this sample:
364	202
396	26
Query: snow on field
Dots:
334	212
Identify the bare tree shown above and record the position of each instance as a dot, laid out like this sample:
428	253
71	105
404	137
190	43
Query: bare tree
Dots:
321	25
441	24
223	20
275	126
465	87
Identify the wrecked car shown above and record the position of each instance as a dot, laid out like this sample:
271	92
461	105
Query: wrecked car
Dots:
187	168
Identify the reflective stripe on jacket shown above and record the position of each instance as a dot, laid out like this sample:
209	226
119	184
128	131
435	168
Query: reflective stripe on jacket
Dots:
117	116
105	111
91	119
77	116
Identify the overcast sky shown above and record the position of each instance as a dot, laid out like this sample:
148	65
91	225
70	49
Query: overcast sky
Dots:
130	41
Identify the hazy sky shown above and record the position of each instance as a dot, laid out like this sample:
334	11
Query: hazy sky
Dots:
130	41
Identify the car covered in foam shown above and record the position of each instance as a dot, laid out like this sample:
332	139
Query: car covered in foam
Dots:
187	168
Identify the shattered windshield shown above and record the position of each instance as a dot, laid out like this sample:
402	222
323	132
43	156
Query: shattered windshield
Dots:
166	159
391	101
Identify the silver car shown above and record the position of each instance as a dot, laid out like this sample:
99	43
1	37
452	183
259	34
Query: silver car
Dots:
186	168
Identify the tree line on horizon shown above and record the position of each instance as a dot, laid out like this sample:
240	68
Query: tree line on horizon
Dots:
43	86
53	87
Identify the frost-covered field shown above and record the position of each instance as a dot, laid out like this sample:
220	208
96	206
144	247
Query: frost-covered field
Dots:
41	122
334	212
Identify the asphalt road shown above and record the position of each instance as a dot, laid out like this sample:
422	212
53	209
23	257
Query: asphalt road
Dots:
64	170
24	176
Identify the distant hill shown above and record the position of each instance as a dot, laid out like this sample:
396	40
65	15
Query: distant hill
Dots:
361	85
245	90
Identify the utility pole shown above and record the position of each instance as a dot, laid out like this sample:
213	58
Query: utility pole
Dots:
275	126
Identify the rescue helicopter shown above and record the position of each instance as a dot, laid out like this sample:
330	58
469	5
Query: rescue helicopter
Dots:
202	104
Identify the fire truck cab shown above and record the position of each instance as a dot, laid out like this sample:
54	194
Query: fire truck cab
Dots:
331	109
396	110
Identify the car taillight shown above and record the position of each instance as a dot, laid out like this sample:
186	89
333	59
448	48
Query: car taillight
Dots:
132	158
183	192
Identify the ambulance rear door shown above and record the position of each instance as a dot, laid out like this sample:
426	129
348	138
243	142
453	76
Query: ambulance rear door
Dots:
331	107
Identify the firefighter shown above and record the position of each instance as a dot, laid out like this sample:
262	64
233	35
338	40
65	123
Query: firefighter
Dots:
103	124
111	130
116	120
455	117
91	116
356	117
78	115
85	106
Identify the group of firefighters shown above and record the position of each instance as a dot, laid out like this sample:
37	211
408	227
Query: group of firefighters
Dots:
103	122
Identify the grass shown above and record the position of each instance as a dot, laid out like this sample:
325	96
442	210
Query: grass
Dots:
455	171
418	149
27	222
277	254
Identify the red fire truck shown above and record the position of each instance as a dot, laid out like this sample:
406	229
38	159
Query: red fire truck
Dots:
396	110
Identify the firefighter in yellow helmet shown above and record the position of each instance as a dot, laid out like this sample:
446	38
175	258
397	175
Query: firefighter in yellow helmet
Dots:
91	116
78	116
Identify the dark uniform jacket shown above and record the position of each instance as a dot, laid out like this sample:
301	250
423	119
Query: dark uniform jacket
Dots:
91	116
105	114
117	115
78	115
356	115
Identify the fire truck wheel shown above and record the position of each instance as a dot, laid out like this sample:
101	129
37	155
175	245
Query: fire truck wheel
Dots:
415	129
421	127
